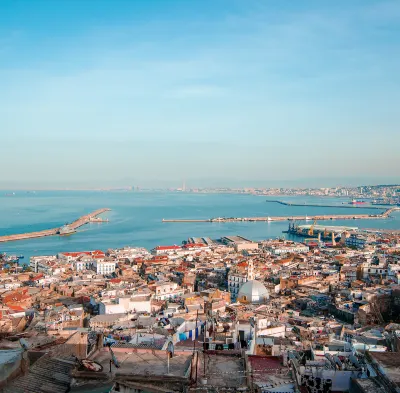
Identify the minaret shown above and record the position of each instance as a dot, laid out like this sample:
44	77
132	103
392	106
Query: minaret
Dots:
250	270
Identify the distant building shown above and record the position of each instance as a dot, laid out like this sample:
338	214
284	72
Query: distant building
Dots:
356	241
239	243
160	250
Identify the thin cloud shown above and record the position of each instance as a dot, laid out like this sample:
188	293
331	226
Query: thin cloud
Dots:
196	91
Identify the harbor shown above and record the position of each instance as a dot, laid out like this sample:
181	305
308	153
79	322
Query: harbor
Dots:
324	217
63	230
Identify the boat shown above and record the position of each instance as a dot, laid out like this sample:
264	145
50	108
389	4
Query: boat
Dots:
355	202
20	257
66	230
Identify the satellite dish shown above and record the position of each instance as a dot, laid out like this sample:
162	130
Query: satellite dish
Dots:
91	365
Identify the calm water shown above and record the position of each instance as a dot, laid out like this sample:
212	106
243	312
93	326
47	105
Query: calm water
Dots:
135	218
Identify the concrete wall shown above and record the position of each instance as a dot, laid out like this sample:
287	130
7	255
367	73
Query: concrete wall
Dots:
341	314
75	345
9	371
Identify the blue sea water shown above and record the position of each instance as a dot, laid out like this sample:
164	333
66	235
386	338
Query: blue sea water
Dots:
136	218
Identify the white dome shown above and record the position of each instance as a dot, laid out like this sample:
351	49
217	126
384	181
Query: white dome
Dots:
253	291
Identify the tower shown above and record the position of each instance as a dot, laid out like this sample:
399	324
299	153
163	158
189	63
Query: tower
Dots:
250	270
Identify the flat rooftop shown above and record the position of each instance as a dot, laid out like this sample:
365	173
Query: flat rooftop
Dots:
145	362
236	239
222	371
390	363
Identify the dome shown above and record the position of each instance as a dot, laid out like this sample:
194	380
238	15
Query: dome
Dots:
253	291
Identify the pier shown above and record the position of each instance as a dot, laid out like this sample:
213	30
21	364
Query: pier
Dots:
320	217
349	206
54	231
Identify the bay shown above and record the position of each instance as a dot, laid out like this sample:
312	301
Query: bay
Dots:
135	218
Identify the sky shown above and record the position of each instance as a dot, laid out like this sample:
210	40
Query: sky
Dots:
207	92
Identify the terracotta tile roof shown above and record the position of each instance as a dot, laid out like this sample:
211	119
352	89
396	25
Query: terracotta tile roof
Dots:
162	248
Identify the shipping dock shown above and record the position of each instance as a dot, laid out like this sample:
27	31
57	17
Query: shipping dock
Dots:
63	230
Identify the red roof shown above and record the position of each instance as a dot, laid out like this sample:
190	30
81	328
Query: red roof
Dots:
269	364
159	258
76	254
194	245
161	248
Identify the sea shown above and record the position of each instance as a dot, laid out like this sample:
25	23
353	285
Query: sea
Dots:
135	218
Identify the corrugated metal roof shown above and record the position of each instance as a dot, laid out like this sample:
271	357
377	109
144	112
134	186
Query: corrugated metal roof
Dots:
45	376
157	345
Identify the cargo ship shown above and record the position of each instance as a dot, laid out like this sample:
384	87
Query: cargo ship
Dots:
66	230
355	202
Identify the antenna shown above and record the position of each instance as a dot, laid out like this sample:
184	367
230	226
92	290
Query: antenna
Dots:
113	359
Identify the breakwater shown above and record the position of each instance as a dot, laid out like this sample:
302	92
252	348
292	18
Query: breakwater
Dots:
54	231
349	206
320	217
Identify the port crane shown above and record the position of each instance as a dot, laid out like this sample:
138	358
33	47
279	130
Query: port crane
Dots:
311	230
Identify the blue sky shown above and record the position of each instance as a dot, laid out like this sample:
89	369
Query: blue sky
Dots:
231	92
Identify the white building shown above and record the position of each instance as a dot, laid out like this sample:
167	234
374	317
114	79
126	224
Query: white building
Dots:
83	263
103	267
166	250
236	279
374	271
134	303
293	248
356	241
42	264
167	290
393	271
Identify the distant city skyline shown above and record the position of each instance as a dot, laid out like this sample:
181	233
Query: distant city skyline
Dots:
213	92
316	183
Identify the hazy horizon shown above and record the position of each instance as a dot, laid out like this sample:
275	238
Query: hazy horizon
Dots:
203	183
221	92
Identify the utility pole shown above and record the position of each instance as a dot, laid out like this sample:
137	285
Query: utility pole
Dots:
194	344
204	354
